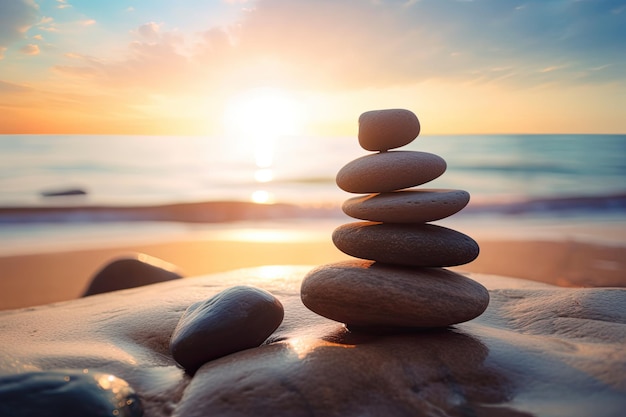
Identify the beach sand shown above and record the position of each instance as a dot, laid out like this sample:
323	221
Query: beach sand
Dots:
536	350
575	255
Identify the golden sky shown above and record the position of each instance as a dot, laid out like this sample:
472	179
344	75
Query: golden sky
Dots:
206	67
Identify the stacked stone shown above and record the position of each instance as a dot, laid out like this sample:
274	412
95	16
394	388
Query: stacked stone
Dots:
400	279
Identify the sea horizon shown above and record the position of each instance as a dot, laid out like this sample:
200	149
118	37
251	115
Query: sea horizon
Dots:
164	182
131	170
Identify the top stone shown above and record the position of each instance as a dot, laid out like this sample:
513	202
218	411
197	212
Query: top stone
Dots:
381	130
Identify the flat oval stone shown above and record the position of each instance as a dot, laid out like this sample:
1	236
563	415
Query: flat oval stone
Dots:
381	130
68	393
367	293
415	206
237	318
405	244
389	171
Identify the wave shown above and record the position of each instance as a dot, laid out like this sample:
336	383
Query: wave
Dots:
598	204
196	212
228	211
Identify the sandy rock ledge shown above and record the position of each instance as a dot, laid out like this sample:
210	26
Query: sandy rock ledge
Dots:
537	350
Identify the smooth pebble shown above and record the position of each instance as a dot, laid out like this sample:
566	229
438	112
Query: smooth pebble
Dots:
381	130
414	206
237	318
405	244
367	293
67	393
389	171
130	272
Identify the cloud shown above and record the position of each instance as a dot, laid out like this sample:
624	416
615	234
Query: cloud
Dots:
7	87
149	30
352	44
153	64
30	49
16	16
63	4
356	44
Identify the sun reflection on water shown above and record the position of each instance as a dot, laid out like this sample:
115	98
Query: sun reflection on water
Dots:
263	175
262	197
257	119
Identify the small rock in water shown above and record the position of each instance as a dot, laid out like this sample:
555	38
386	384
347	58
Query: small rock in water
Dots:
406	244
389	171
131	272
63	192
381	130
367	293
414	206
67	393
238	318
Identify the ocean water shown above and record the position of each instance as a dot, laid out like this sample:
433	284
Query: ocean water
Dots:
143	170
552	179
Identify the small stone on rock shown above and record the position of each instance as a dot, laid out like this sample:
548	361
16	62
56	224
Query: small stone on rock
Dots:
406	244
389	171
381	130
237	318
414	206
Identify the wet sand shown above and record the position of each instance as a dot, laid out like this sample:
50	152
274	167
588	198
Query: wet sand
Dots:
582	257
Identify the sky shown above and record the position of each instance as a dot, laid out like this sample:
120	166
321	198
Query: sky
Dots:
209	67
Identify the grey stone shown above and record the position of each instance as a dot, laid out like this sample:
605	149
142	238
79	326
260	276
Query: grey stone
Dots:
131	271
381	130
238	318
367	293
389	171
405	244
414	206
67	393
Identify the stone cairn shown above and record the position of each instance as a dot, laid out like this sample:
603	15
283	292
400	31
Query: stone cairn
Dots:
399	280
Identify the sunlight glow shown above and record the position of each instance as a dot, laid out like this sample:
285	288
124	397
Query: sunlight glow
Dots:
262	197
263	113
263	175
303	346
255	120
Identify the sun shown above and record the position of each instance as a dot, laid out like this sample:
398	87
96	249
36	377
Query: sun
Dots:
264	113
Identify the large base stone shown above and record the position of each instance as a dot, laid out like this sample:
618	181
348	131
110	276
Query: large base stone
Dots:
367	293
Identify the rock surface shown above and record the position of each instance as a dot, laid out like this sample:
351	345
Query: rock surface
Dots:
405	244
389	171
537	350
381	130
365	293
67	393
414	206
237	318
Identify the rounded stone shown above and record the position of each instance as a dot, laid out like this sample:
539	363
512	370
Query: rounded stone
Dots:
414	206
389	171
405	244
130	272
381	130
367	293
68	393
237	318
